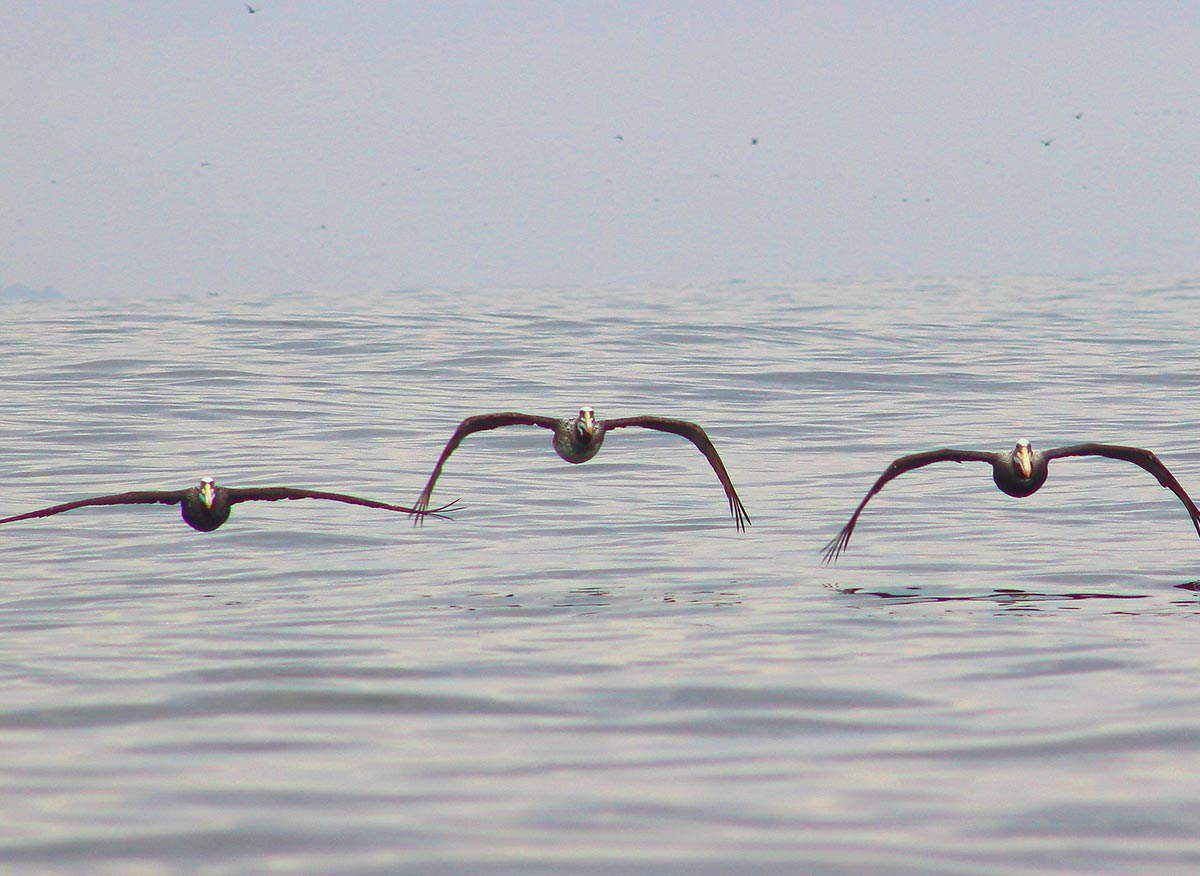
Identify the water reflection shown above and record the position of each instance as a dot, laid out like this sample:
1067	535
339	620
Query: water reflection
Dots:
1004	596
1016	599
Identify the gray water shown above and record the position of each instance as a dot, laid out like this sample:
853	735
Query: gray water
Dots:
589	670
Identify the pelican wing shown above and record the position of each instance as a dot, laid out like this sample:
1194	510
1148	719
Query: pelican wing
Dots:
697	435
137	497
834	548
478	423
1139	457
275	494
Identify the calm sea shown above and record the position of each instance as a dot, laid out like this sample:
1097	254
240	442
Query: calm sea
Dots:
588	670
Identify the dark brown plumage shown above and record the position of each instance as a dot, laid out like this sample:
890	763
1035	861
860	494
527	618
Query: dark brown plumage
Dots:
206	506
1019	473
578	439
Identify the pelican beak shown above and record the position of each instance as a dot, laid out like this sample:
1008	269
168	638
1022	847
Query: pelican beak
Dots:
207	493
1023	456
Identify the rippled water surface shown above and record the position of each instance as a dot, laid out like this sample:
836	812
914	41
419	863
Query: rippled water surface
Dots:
589	670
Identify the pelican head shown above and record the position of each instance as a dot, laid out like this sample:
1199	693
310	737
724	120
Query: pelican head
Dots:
1022	457
585	425
207	492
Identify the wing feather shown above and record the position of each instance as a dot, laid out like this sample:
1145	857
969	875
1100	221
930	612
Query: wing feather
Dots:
478	423
1139	457
275	494
696	434
136	497
838	543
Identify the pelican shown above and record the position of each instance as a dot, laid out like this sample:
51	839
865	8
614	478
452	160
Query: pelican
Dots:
578	439
206	506
1019	473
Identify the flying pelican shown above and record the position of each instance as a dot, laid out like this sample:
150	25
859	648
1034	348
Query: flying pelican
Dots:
578	439
206	506
1019	473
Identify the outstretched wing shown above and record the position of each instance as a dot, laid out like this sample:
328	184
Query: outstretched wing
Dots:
1139	457
697	435
834	548
478	423
137	497
274	494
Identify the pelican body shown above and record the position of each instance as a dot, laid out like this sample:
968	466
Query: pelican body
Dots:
578	439
1019	473
206	506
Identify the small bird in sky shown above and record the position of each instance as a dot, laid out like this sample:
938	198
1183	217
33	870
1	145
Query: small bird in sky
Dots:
250	9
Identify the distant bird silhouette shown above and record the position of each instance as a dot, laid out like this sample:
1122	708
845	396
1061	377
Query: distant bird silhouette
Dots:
206	506
250	9
1047	142
1019	473
1079	115
578	439
753	141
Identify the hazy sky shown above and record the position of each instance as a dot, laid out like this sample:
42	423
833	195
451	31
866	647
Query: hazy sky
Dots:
190	147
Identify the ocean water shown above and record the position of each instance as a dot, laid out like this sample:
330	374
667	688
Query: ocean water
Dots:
588	670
